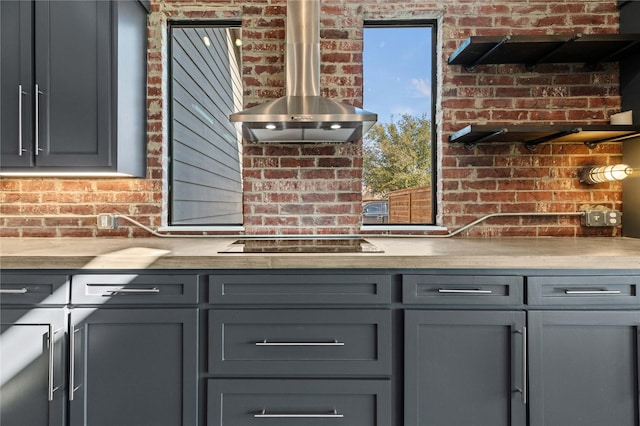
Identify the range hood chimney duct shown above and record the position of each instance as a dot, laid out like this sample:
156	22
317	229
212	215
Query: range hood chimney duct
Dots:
303	115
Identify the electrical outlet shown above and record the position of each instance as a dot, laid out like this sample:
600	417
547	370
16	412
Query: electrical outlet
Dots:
107	221
602	218
612	218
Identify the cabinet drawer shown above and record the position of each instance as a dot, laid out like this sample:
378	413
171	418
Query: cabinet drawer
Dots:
299	402
583	290
300	288
299	342
18	289
126	289
462	289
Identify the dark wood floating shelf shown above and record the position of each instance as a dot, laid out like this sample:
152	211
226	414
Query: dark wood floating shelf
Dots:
534	135
531	50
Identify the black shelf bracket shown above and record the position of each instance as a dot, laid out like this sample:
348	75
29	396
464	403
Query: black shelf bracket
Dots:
487	54
532	144
594	64
472	144
532	66
593	144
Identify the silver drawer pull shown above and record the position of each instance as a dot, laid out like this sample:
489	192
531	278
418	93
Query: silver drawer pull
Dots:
330	415
132	291
458	291
587	292
267	343
22	290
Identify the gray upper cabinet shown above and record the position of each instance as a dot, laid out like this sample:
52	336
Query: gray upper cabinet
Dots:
73	87
16	82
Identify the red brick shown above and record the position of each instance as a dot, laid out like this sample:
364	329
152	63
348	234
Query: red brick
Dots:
280	174
318	174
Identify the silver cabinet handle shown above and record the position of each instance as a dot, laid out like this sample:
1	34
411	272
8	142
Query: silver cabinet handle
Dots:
20	94
72	364
37	120
523	391
267	343
587	292
22	290
132	291
330	415
524	365
460	291
50	389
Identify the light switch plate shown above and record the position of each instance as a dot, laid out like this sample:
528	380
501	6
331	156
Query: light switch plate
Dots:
107	221
594	218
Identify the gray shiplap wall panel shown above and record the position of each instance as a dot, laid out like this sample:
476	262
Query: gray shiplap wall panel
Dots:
206	159
189	192
200	213
200	177
198	121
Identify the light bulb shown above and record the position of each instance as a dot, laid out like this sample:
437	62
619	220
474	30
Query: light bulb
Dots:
603	174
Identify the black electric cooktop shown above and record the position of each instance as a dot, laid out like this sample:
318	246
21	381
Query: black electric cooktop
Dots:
302	245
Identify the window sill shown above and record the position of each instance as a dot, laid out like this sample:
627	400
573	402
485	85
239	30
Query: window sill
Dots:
387	227
222	228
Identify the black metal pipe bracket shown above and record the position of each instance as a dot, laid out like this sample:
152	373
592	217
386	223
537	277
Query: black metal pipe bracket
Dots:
487	54
472	144
532	144
532	66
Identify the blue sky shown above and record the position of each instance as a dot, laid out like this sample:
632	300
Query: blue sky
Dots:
397	71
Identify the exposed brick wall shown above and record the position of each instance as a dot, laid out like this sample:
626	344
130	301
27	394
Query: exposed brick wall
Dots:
317	188
509	178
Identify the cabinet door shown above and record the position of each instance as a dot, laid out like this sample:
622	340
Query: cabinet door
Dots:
16	83
73	74
31	367
464	368
133	367
584	368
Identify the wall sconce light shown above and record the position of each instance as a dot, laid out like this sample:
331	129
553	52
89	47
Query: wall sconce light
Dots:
592	175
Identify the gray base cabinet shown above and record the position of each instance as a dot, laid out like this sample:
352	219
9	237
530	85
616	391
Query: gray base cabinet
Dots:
32	372
464	368
307	347
584	368
133	367
125	353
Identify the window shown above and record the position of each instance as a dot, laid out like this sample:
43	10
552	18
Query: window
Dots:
399	151
205	148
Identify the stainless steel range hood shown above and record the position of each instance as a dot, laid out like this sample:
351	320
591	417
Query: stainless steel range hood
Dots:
303	115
